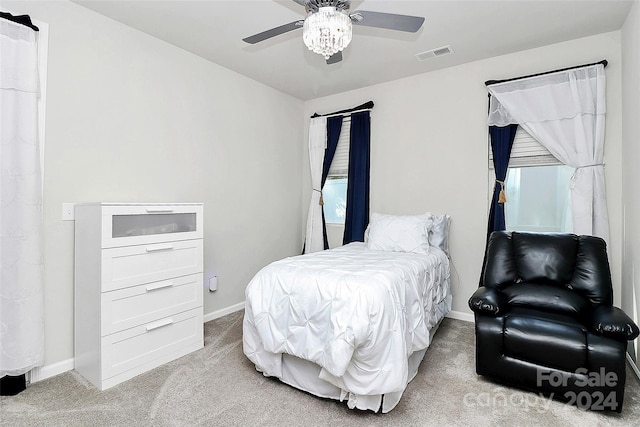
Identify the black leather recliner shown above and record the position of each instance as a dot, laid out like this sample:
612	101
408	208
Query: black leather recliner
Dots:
545	322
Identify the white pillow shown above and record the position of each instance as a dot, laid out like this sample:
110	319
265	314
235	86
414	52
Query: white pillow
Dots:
396	233
439	231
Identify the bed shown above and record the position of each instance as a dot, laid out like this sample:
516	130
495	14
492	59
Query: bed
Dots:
353	323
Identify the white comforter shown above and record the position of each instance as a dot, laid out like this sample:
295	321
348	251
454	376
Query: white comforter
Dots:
357	313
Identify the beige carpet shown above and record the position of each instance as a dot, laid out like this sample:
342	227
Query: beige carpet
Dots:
218	386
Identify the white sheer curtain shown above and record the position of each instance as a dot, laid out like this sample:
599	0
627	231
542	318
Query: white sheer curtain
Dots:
565	112
21	247
314	240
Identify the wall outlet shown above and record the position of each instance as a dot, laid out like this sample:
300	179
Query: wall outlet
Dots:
68	211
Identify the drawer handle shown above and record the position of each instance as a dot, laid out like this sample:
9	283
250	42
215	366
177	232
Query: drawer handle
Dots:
154	210
160	285
159	324
159	248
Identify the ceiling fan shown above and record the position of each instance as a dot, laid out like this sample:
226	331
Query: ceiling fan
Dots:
327	27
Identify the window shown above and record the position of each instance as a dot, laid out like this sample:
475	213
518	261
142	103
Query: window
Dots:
538	198
536	187
334	192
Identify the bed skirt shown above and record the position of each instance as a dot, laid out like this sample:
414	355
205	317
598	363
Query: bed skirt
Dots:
305	375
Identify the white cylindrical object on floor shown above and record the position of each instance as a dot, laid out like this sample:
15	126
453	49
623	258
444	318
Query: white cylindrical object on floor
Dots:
213	284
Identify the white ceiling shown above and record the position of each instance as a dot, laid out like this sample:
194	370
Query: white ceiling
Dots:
475	29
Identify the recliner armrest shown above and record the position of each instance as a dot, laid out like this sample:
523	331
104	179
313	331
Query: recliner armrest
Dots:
614	323
487	301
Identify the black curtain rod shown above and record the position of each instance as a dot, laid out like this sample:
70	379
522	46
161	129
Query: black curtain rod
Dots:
19	19
492	82
365	106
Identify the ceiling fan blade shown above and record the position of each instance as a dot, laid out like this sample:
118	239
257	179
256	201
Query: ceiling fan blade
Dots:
390	21
301	2
335	58
274	32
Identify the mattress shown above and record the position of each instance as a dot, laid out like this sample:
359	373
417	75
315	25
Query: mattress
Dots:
361	317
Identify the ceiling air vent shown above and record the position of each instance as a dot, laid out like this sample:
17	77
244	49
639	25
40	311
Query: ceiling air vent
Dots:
445	50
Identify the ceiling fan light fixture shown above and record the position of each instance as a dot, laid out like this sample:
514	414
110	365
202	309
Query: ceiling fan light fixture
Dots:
327	31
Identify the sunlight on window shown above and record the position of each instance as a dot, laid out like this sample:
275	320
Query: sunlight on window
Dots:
538	199
334	194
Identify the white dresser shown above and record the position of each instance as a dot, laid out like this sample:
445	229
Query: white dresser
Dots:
138	287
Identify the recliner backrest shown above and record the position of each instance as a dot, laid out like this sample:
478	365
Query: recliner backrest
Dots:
545	258
565	260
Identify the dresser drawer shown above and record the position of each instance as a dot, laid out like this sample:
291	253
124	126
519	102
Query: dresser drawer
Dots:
124	225
129	307
143	344
133	265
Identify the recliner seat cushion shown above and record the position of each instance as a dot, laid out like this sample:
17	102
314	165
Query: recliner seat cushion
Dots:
546	298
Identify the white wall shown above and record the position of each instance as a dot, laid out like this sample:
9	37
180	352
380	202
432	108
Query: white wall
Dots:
630	171
429	145
131	118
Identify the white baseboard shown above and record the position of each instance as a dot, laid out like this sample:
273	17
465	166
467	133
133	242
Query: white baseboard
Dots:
223	311
633	365
459	315
48	371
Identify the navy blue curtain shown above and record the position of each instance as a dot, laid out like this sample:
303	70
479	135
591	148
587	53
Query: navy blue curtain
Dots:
501	143
357	215
334	126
